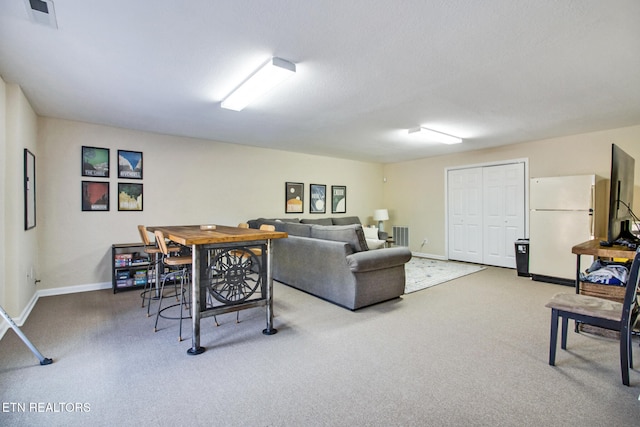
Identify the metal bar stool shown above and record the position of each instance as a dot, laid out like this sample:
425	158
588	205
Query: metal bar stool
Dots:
152	249
173	261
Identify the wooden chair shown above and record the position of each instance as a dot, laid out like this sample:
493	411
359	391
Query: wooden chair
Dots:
599	312
173	261
265	227
256	251
152	249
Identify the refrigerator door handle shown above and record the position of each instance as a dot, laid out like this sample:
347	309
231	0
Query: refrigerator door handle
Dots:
591	216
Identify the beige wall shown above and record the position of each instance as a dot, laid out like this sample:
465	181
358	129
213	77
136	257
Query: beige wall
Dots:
196	181
20	251
415	190
186	181
3	180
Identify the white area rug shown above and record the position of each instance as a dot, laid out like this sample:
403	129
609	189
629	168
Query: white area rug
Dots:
422	273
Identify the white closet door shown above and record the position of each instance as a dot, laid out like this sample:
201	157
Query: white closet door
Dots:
465	214
504	211
486	213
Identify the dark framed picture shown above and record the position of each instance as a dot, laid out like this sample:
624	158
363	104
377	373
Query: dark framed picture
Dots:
129	164
129	197
317	198
338	199
294	197
29	190
95	196
95	162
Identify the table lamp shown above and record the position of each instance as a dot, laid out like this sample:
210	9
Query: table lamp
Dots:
380	215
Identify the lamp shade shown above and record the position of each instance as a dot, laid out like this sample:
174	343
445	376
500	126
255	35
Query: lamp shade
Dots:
381	215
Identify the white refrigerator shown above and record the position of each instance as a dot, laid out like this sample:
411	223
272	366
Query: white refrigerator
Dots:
563	213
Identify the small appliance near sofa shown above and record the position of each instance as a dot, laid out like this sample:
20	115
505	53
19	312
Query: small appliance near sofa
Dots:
330	258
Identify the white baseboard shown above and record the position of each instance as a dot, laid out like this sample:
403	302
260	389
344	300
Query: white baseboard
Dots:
425	255
51	292
73	289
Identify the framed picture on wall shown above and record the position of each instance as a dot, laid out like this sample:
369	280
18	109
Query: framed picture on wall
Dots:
95	162
317	198
129	164
129	197
29	190
338	199
294	197
95	196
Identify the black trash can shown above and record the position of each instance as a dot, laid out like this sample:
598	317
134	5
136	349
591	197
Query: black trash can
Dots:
522	257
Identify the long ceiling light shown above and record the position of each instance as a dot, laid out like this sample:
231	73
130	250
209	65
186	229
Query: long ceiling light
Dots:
265	78
425	134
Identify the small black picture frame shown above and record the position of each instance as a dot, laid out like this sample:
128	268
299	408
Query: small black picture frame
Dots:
29	190
130	196
293	197
95	162
129	164
95	196
338	199
317	198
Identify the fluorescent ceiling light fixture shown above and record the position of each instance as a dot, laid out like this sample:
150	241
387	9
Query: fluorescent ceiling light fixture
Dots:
268	76
425	134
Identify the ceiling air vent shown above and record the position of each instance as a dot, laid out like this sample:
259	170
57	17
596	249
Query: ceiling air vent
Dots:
41	12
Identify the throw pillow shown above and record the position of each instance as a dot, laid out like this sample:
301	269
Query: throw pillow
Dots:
302	230
370	232
351	234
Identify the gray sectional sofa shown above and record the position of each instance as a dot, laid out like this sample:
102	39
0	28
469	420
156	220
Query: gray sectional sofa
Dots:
332	261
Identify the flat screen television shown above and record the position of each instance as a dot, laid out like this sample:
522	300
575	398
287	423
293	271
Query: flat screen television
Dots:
621	198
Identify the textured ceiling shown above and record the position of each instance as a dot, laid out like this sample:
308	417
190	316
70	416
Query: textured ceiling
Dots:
494	72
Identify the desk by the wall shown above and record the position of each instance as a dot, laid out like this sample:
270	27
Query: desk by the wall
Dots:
593	248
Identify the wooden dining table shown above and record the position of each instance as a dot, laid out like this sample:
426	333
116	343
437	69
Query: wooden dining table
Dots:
231	266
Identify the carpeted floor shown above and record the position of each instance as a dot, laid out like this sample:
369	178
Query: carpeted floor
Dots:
471	353
422	273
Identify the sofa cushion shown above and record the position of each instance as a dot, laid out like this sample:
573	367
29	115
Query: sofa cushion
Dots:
297	229
351	234
256	223
346	220
319	221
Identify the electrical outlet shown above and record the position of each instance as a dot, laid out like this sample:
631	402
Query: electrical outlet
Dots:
31	274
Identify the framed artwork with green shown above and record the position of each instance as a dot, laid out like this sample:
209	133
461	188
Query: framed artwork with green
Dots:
129	196
338	199
95	162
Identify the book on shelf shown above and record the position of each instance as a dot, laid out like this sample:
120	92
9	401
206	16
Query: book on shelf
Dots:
124	283
122	260
122	275
140	277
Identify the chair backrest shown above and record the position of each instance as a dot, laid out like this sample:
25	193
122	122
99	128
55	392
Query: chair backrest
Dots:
268	227
143	235
630	295
162	244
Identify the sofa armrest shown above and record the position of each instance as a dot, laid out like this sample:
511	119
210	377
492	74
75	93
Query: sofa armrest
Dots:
377	260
